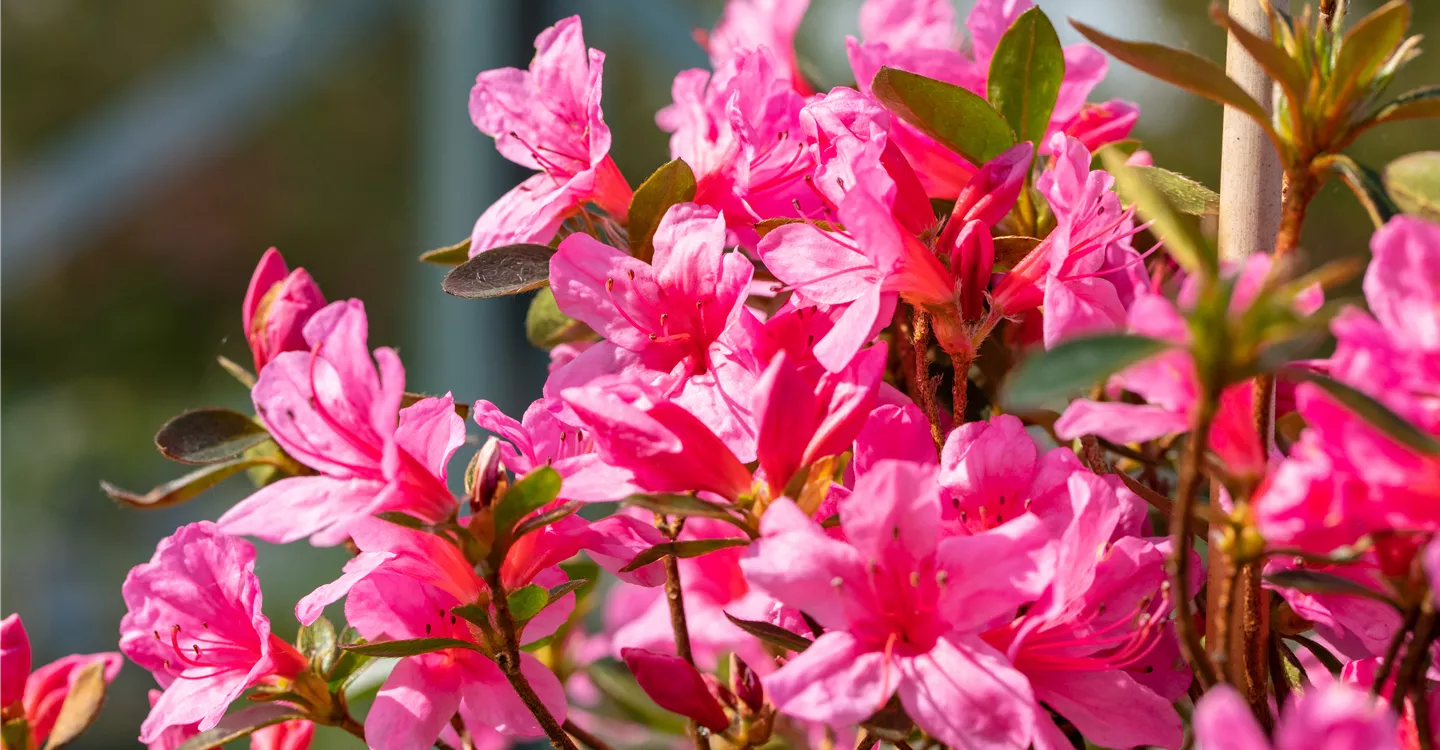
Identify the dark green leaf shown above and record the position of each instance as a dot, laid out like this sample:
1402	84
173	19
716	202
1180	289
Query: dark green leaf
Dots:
1317	582
1076	365
1367	46
556	592
207	436
527	601
535	523
179	490
503	271
317	642
1182	193
400	518
1187	70
1368	188
411	647
452	255
1373	412
410	399
1025	74
532	492
1414	182
772	634
547	327
82	704
671	184
682	505
1182	240
241	724
1320	653
958	119
1421	103
688	548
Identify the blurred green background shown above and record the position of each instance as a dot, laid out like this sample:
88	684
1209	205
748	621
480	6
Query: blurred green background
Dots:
153	149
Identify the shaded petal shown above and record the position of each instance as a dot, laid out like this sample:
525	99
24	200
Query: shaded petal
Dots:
414	704
1110	708
1119	422
835	681
298	507
1223	721
967	695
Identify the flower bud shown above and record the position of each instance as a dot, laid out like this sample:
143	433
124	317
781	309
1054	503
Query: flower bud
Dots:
676	686
277	305
14	660
746	684
991	193
971	260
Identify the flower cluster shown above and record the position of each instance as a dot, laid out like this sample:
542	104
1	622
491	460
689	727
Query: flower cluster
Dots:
746	425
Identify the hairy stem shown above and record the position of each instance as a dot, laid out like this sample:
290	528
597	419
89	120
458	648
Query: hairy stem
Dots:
1181	538
509	661
1392	652
960	389
586	739
920	342
674	596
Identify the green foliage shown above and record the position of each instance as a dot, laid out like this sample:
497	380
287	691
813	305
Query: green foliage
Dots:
958	119
672	183
1075	365
1025	75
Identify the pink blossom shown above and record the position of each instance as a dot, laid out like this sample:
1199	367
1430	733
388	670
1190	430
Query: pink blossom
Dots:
1355	627
909	23
903	609
195	622
404	585
1083	645
675	685
287	735
544	438
38	696
739	130
277	305
547	118
1097	125
1335	717
331	410
749	25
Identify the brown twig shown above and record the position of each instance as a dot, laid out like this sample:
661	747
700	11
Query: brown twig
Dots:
466	741
509	661
920	342
586	739
960	388
1180	543
675	597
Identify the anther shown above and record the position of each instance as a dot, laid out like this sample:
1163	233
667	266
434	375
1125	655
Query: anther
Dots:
630	274
836	582
609	284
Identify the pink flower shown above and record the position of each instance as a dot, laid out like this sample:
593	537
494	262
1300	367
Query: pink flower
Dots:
38	696
287	735
909	23
195	622
544	438
548	119
1097	125
332	411
1083	645
902	610
748	25
1335	717
675	685
669	321
739	130
277	305
1354	626
403	585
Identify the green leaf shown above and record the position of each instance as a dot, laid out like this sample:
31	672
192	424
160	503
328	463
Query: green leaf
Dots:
527	601
452	255
1182	240
958	119
1414	182
184	488
772	634
207	436
1376	414
547	327
16	734
671	184
1075	365
676	504
1421	103
317	642
411	647
1317	582
241	724
1180	192
1367	186
1187	70
82	704
688	548
500	272
474	614
533	491
1025	74
535	523
1366	47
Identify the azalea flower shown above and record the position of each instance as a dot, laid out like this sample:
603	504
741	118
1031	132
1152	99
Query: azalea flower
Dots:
1335	717
277	305
38	695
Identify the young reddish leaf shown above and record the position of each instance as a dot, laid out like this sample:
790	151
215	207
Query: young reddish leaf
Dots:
206	436
500	272
676	686
958	119
410	399
672	183
1025	75
1366	47
1187	70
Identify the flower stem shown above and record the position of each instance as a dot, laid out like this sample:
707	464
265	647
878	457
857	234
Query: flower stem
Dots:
960	389
674	596
509	660
1180	542
1412	668
920	342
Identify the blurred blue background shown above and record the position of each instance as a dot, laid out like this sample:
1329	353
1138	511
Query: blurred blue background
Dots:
152	150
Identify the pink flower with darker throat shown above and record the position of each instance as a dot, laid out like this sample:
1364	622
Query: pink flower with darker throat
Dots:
548	118
195	622
332	410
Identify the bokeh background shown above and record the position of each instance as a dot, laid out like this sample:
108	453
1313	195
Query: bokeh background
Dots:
153	149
